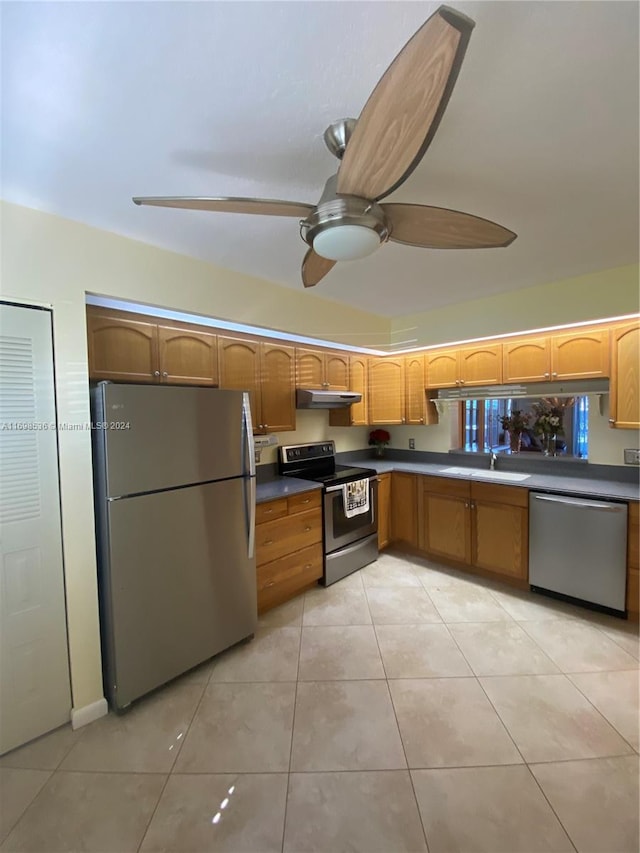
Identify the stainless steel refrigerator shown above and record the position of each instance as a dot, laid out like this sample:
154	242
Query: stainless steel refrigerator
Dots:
175	518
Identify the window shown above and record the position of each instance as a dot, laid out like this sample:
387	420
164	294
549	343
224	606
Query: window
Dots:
480	428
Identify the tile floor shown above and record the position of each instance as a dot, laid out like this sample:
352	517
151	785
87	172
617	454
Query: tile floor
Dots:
407	708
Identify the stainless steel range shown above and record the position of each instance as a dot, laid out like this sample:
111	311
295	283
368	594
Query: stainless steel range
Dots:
350	506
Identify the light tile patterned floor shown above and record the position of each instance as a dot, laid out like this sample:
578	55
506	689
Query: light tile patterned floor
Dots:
407	708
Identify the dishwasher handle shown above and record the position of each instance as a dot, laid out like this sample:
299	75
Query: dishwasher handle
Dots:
583	504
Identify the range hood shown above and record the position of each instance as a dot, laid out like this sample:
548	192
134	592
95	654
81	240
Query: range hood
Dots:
572	388
309	398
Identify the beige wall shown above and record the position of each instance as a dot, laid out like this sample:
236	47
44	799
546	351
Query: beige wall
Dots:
610	293
313	425
53	261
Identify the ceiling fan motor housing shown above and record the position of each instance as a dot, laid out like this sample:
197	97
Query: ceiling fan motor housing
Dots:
340	225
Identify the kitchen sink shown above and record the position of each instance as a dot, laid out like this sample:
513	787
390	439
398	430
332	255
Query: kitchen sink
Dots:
506	476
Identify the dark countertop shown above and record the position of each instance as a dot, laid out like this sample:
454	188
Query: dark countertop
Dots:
595	488
282	487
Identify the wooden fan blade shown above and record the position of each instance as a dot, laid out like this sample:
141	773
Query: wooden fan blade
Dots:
403	112
258	206
314	268
439	228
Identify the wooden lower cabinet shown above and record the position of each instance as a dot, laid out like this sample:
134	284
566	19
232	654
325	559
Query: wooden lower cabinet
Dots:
404	508
633	562
477	524
384	510
500	529
289	552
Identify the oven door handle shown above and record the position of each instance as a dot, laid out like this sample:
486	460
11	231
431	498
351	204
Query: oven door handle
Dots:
339	488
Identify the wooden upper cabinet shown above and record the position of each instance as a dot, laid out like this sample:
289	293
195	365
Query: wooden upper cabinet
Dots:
337	372
239	362
583	354
442	368
386	391
415	394
358	413
309	368
277	372
122	350
481	365
186	357
526	360
624	398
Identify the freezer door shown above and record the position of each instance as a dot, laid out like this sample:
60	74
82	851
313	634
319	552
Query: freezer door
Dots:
176	583
157	437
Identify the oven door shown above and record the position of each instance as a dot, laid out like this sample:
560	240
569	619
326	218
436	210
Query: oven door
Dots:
340	530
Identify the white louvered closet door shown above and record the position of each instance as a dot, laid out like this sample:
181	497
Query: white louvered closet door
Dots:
35	695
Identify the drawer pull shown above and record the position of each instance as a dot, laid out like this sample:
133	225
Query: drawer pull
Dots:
267	511
268	542
308	566
307	528
267	585
306	501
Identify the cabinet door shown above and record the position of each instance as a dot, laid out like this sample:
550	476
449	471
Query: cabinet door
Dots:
186	357
447	528
481	365
358	413
624	398
404	508
633	562
442	368
526	360
277	370
337	372
309	368
581	355
386	391
415	394
500	538
384	510
239	364
122	350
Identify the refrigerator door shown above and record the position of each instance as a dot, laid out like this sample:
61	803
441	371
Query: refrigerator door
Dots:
157	437
177	585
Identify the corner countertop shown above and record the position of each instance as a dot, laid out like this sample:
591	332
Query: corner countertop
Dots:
588	487
283	487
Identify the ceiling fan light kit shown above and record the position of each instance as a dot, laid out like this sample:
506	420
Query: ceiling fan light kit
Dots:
377	153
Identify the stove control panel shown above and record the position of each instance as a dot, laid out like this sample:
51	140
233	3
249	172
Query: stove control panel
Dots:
307	452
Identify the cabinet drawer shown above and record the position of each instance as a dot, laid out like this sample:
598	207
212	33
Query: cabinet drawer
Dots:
511	495
270	510
304	501
283	536
281	579
446	486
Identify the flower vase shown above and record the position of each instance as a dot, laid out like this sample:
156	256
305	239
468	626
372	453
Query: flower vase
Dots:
378	451
515	440
550	444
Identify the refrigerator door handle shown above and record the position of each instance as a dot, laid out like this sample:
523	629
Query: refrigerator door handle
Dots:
247	429
250	497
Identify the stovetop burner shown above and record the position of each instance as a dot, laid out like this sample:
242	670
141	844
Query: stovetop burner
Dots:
317	462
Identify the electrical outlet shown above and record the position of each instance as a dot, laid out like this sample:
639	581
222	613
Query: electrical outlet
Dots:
631	457
412	444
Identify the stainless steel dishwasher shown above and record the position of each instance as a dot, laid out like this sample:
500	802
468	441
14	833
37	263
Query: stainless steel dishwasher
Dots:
578	548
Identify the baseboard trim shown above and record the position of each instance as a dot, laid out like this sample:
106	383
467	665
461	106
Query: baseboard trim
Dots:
88	713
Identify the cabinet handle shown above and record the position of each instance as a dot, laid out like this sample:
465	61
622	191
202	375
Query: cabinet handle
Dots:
268	542
267	511
473	506
462	381
546	376
466	505
165	374
270	583
306	501
308	566
156	373
307	528
554	374
421	420
266	426
612	420
402	420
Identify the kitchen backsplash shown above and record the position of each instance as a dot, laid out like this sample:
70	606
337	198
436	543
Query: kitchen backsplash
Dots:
313	425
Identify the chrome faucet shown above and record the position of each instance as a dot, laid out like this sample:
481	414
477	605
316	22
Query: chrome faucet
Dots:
494	459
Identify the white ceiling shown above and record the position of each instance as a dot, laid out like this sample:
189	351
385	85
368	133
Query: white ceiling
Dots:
102	101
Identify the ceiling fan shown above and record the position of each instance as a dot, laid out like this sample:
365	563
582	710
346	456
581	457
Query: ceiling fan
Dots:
377	153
